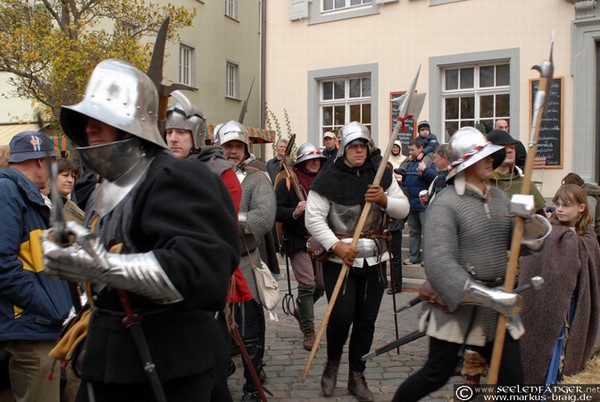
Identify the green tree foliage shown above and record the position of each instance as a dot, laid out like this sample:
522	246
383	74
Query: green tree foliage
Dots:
52	46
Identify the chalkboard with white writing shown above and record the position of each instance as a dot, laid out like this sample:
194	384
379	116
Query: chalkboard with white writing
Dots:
551	132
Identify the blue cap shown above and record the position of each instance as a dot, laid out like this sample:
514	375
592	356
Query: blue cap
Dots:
30	145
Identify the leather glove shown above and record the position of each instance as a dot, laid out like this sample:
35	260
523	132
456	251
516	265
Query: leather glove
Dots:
376	195
345	252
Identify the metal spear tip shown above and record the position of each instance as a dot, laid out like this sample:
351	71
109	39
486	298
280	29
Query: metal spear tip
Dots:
368	356
546	68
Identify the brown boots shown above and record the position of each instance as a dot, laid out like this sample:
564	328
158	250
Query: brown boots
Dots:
329	377
309	339
357	385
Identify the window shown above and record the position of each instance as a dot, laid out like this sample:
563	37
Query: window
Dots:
232	89
231	9
344	100
336	5
475	94
186	60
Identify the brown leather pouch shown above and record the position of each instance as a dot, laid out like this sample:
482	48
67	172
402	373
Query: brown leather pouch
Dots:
315	250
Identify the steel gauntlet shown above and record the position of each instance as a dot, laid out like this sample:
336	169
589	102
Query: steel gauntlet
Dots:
87	260
508	304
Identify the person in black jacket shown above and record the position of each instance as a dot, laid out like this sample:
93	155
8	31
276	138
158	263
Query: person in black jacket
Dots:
290	212
160	250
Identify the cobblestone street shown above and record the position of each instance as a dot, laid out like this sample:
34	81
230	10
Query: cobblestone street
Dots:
285	357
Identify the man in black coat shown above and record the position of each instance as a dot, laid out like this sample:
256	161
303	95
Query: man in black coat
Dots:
177	236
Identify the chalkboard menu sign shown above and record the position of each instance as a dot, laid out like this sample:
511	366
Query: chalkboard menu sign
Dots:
410	123
550	141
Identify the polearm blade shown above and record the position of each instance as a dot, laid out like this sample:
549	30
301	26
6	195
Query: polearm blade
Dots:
155	70
359	226
546	70
245	104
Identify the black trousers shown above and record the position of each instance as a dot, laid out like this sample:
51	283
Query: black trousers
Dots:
443	359
357	305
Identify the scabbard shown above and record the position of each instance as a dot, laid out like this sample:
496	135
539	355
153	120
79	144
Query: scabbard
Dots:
139	339
413	336
133	323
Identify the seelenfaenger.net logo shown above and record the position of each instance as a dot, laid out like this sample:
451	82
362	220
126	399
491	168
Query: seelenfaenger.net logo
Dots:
566	392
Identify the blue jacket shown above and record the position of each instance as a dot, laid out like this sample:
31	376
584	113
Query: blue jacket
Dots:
32	306
430	144
415	181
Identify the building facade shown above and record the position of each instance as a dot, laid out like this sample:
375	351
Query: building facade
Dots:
333	61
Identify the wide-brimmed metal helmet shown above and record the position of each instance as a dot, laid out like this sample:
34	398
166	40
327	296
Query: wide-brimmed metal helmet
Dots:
187	116
306	152
351	132
230	131
468	146
119	95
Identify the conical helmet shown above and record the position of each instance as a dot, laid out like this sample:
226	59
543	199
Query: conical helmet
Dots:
308	151
119	95
466	147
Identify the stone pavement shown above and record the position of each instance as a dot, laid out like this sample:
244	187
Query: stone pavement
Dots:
285	357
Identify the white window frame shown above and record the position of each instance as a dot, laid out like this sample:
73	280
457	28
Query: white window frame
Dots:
187	64
477	92
439	63
316	14
231	9
232	80
346	101
314	110
347	5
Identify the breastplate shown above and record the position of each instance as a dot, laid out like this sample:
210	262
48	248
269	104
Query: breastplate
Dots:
342	219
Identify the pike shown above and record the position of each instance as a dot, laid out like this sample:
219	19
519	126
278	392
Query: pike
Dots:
402	113
546	70
245	104
155	71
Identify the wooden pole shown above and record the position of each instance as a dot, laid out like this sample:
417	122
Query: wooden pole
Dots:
546	70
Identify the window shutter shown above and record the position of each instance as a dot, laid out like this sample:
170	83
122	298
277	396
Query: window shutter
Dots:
298	9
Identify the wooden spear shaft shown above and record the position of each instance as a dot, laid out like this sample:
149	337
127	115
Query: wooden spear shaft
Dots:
546	70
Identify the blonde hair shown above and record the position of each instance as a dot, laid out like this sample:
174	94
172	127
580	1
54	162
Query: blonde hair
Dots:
573	194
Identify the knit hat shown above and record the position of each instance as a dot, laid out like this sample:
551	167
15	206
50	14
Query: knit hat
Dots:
500	137
30	145
423	124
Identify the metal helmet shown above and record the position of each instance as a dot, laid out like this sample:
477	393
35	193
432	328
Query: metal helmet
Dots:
119	95
308	151
187	116
466	147
351	132
232	130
